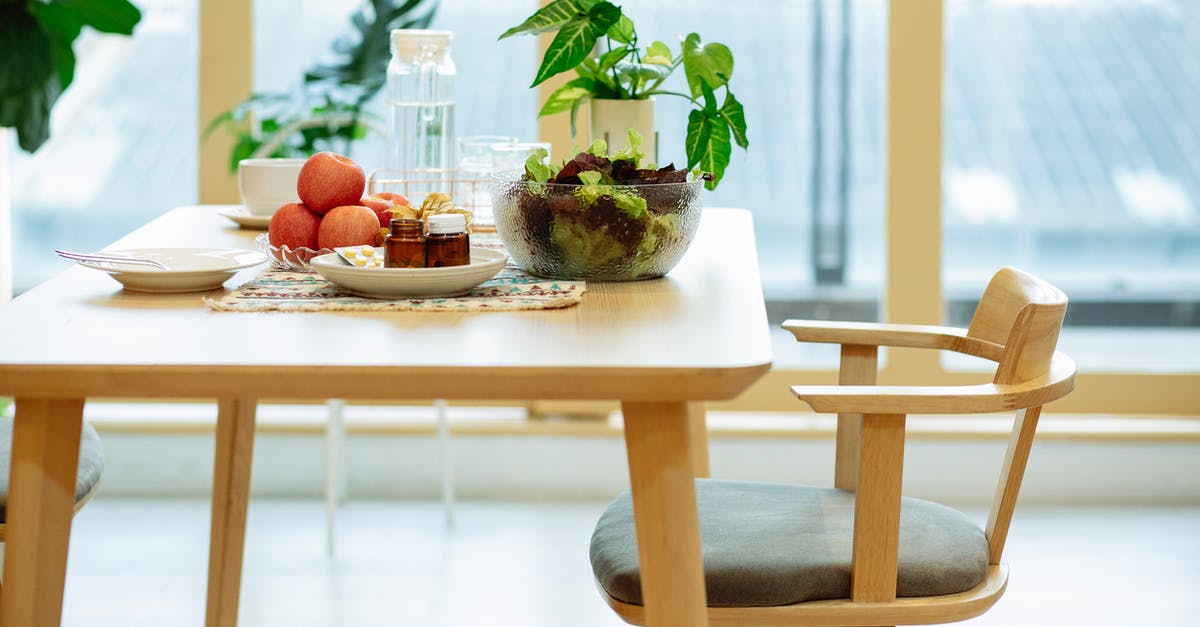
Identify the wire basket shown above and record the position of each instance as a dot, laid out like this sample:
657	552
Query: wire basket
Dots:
465	188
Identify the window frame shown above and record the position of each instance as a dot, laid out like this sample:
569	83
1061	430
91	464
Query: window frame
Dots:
912	290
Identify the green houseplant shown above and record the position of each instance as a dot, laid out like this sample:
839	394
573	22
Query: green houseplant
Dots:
36	46
326	110
597	41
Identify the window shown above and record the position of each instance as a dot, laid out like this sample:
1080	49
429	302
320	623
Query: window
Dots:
492	91
123	143
812	77
1072	150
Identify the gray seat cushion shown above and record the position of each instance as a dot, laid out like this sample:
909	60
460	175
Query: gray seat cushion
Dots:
767	544
91	463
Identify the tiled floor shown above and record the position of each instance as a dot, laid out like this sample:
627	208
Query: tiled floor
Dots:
142	563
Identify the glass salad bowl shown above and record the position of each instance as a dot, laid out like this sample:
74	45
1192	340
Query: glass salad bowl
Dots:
599	232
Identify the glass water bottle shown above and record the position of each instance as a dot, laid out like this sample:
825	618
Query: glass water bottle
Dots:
420	88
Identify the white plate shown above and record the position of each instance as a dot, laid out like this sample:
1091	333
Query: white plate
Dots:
188	269
244	218
411	282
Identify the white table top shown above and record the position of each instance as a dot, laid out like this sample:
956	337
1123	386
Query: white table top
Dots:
698	334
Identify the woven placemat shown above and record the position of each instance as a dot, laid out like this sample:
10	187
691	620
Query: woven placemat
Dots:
512	289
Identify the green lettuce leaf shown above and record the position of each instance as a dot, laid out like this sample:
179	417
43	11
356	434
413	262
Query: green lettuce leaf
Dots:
633	205
536	168
581	247
633	149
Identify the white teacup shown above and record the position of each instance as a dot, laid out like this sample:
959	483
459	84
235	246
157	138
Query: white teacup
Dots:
265	184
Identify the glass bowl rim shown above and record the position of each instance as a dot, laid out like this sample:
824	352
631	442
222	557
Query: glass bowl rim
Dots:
511	177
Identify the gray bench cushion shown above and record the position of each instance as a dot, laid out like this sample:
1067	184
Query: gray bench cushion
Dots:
768	544
91	463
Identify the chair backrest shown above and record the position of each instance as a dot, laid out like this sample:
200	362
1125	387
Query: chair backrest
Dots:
1025	315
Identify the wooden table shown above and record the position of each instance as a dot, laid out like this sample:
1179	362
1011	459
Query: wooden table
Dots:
660	347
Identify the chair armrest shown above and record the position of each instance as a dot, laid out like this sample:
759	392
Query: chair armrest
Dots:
941	399
900	335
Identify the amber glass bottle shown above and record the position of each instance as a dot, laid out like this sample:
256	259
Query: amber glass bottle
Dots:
447	243
405	245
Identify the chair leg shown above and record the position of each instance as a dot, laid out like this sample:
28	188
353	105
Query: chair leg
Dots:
335	433
447	459
698	434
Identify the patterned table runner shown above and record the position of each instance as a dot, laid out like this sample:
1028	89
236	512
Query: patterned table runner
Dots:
512	289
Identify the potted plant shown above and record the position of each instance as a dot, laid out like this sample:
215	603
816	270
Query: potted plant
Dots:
36	44
597	41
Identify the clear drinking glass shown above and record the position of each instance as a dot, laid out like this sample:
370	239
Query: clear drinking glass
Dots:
513	155
474	167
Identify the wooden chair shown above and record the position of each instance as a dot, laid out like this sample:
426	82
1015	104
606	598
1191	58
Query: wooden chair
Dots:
87	478
859	553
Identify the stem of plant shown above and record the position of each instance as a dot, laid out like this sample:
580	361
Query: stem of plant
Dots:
664	92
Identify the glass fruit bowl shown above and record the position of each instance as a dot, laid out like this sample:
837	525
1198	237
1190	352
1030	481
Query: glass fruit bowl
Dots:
287	258
599	232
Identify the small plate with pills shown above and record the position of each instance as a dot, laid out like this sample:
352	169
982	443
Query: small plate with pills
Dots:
354	270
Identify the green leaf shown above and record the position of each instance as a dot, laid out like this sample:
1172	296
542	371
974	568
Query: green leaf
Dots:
223	118
710	65
536	168
622	31
33	128
26	50
642	71
633	149
62	25
107	16
242	149
551	17
575	41
364	53
658	53
566	97
708	146
599	148
735	116
611	58
590	177
29	85
605	86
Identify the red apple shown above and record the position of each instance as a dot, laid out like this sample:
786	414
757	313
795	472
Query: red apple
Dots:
294	225
329	180
395	198
380	207
348	225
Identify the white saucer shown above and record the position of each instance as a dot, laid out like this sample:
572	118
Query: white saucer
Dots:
244	218
411	282
188	269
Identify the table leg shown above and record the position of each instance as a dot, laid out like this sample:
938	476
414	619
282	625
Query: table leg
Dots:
657	441
230	501
41	501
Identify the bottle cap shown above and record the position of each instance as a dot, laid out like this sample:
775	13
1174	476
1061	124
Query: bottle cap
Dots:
447	223
408	43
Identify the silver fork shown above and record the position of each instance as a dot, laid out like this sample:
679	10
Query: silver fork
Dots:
109	258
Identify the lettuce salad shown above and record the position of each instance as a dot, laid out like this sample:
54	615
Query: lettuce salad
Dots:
613	217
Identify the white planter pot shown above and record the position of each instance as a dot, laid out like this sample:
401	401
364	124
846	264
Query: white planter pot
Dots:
612	119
